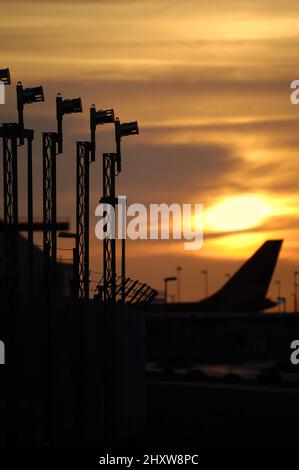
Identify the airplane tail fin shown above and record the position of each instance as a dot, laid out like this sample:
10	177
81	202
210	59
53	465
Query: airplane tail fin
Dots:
249	285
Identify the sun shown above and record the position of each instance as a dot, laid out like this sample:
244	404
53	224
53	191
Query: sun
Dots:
238	213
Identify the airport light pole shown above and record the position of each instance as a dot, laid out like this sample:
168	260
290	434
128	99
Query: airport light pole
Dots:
295	290
166	281
28	96
109	250
83	151
112	168
52	147
205	273
179	269
123	129
97	118
12	134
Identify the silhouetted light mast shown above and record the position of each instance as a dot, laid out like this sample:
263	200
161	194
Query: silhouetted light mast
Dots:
83	161
28	96
84	149
11	134
53	146
122	130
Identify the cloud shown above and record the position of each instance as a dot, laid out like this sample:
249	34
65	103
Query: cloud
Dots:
174	172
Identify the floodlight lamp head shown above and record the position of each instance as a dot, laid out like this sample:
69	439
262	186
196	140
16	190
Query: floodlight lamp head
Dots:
104	117
5	76
32	95
98	118
123	129
128	128
27	96
67	106
101	117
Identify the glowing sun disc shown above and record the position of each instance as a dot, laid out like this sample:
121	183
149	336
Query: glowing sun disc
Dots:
237	213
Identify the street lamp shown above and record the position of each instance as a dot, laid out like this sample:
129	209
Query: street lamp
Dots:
5	76
68	106
205	273
179	269
100	117
166	280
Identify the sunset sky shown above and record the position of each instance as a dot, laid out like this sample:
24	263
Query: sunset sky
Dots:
208	82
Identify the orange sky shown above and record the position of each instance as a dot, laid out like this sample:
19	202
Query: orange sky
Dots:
209	85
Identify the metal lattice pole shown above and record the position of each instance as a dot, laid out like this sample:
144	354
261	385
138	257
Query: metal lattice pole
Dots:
50	252
10	197
9	133
82	219
30	219
49	205
109	160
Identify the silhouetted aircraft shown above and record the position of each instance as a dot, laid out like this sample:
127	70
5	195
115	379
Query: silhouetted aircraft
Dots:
244	292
